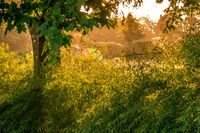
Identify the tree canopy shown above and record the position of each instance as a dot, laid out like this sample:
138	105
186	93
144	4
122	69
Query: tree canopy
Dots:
179	8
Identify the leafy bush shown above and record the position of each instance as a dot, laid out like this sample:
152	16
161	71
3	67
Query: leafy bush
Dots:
191	48
19	105
13	69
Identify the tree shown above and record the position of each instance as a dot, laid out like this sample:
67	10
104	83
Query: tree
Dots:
148	27
133	30
49	21
189	24
179	8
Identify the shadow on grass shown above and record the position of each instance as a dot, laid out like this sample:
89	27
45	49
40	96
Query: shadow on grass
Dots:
21	112
152	106
59	111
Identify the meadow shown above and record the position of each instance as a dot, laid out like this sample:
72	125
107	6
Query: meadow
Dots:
81	95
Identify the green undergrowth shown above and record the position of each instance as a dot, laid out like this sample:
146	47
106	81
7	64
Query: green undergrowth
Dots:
104	96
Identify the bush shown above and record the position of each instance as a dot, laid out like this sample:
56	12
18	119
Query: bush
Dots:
191	48
19	105
13	69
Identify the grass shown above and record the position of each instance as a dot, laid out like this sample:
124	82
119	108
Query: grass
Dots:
86	96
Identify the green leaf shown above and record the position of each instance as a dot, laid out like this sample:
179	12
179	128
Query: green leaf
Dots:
52	32
66	40
56	10
70	26
83	21
43	27
56	43
21	28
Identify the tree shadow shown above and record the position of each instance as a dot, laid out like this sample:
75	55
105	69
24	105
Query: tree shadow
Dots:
21	112
59	111
154	105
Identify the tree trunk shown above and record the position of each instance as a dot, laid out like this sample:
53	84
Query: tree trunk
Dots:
39	58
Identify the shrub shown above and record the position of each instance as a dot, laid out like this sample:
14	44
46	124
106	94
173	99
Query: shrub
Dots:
19	105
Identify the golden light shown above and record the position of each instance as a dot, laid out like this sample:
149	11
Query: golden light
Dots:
149	9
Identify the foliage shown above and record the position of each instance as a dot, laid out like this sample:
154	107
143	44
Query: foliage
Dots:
191	48
19	105
133	30
188	25
85	95
12	66
178	8
52	21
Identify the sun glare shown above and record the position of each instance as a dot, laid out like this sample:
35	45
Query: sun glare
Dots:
149	9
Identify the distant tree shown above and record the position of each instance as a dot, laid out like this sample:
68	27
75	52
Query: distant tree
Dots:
148	27
161	25
188	24
133	29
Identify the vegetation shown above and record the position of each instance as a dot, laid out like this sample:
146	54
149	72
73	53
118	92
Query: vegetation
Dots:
50	22
156	93
86	95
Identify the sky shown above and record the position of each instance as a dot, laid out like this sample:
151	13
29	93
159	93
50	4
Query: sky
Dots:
148	9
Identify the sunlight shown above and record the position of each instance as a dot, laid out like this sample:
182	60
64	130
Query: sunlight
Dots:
149	9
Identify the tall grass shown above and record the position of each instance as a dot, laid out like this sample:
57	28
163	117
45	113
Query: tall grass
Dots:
92	96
